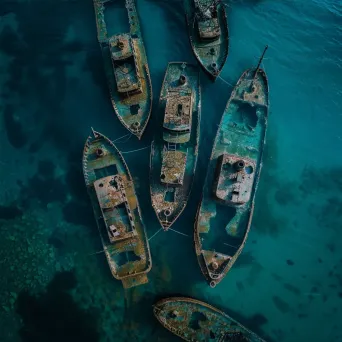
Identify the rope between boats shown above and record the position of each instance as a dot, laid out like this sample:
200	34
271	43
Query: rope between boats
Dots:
139	149
124	136
155	234
99	252
225	81
176	231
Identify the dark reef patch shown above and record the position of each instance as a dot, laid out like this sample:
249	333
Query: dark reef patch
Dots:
280	304
14	129
9	212
292	289
286	193
290	262
54	316
244	260
43	186
79	213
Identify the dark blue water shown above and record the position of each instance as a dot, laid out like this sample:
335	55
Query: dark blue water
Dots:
287	284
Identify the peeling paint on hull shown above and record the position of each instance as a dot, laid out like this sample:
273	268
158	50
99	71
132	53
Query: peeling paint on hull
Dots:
225	213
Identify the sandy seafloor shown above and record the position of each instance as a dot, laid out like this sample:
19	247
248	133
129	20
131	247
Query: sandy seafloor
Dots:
287	284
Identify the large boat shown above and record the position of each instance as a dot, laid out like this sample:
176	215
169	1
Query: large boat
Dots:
116	208
193	320
175	147
126	69
208	33
225	212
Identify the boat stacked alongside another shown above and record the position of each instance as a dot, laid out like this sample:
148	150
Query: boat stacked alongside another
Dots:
175	147
193	320
126	69
208	33
117	213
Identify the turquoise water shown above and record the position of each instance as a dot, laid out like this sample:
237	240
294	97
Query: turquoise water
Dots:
287	284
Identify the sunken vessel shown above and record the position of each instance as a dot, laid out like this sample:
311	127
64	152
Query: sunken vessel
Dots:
116	209
225	213
175	147
208	33
126	68
193	320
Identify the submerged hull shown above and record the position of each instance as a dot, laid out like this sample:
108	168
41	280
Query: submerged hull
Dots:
193	320
116	209
132	108
211	53
175	147
225	212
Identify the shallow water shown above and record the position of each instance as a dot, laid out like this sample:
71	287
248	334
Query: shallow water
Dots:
287	284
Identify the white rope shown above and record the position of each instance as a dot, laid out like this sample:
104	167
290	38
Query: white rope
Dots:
122	142
227	244
225	81
154	234
99	252
124	136
139	149
178	232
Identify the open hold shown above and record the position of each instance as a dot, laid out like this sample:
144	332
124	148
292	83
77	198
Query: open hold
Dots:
182	79
125	257
135	109
169	196
245	114
106	171
14	129
195	319
179	109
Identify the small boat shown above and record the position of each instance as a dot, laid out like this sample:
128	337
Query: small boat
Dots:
193	320
116	209
175	147
126	69
208	33
225	212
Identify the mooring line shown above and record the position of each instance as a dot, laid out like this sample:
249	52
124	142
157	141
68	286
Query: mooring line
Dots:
154	234
225	81
124	136
176	231
227	244
139	149
99	252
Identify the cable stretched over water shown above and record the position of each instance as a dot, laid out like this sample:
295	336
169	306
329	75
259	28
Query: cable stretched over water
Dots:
155	234
225	81
124	136
139	149
176	231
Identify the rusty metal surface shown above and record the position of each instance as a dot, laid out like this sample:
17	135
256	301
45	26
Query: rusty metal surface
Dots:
208	33
225	212
175	146
127	73
197	321
116	210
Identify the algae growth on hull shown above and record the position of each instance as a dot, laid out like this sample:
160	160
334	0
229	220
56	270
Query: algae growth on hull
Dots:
286	283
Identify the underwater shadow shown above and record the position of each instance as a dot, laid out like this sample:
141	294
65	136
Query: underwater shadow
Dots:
54	316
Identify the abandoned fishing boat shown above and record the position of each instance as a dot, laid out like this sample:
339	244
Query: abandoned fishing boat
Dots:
116	208
225	212
126	68
175	147
208	33
193	320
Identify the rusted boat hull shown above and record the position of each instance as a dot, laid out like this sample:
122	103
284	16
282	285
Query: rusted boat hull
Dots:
211	54
116	211
132	109
223	223
193	320
170	199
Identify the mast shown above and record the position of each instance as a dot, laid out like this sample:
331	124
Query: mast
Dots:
260	60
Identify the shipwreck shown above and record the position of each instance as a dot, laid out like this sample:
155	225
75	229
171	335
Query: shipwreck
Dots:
208	33
193	320
175	147
126	69
116	209
225	213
